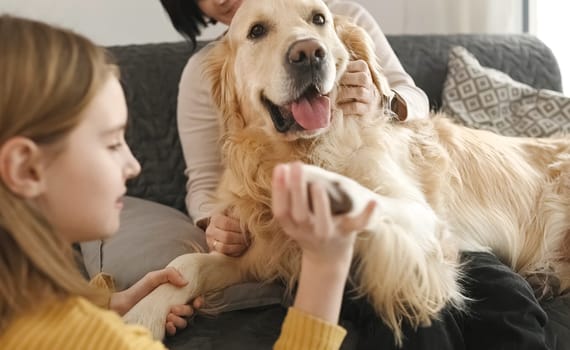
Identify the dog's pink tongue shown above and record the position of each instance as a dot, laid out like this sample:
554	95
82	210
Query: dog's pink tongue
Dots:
312	114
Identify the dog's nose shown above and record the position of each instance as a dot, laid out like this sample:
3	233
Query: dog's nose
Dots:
306	52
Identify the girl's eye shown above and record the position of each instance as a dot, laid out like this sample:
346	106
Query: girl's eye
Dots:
319	19
115	146
257	31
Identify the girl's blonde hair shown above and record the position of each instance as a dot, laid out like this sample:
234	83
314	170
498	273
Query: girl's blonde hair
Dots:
48	77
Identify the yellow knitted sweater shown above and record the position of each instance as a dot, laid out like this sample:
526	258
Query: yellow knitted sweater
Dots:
75	323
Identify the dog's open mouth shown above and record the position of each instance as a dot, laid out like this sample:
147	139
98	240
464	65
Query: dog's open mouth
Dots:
311	111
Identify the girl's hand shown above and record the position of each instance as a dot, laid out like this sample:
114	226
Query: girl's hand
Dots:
176	319
323	238
123	301
358	95
224	235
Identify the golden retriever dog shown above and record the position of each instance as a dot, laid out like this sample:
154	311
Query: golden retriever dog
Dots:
440	188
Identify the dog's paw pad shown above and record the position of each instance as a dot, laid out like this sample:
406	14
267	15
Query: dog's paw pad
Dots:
340	201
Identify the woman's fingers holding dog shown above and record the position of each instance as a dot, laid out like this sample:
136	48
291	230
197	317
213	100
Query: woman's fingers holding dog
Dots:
224	235
358	95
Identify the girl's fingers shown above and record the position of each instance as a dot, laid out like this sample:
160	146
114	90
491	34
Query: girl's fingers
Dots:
198	302
177	321
170	328
280	198
321	208
299	200
182	310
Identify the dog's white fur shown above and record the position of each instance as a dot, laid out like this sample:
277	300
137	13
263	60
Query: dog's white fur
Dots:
440	187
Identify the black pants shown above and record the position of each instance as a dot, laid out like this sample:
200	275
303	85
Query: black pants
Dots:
504	314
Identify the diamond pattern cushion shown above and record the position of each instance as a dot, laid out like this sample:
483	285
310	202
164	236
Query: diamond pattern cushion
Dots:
485	98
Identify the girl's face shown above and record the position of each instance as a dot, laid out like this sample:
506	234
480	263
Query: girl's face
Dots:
221	10
84	184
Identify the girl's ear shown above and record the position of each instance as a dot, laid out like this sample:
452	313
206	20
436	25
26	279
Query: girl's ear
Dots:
21	167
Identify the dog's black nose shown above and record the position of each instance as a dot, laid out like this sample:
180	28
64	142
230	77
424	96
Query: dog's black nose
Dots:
307	52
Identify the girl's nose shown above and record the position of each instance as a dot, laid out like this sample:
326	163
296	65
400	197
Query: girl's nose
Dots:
133	167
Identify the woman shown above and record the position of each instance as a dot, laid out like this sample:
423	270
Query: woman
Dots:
198	118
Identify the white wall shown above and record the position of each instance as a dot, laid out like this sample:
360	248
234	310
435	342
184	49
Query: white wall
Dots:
114	22
447	16
107	22
551	25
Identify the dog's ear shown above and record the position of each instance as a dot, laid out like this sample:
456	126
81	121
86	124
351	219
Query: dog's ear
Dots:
218	69
361	47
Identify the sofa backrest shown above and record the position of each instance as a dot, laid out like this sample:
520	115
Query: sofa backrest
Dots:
150	75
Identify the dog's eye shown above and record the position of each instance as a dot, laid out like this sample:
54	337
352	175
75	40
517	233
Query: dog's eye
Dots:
319	19
256	31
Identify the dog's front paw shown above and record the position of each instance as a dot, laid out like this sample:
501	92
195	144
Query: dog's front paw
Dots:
345	195
340	201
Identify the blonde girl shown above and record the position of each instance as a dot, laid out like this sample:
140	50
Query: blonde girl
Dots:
63	167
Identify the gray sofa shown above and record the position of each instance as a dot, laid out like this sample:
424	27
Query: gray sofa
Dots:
150	75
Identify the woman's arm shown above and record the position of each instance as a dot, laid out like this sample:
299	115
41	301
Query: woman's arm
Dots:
198	129
415	99
199	134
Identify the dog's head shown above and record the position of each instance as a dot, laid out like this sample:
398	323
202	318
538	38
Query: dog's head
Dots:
278	66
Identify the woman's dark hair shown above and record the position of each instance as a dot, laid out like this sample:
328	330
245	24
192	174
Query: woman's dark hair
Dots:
186	17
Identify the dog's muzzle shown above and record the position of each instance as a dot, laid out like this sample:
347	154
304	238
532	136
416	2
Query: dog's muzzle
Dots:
305	62
309	107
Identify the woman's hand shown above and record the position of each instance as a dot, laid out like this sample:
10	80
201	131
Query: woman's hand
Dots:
224	235
358	95
323	238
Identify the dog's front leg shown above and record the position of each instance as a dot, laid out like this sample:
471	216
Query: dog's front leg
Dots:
204	273
406	263
413	215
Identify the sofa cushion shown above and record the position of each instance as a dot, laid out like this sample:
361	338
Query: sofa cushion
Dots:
150	236
485	98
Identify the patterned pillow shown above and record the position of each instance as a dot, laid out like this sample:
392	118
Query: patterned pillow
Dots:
485	98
